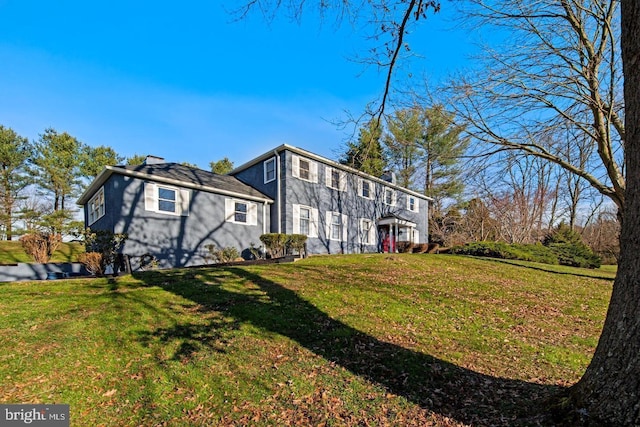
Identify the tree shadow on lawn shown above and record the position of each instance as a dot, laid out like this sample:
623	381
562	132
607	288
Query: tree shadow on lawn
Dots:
441	387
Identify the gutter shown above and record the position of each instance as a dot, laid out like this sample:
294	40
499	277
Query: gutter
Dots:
333	164
108	170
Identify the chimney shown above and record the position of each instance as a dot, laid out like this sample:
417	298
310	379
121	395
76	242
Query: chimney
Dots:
389	176
153	160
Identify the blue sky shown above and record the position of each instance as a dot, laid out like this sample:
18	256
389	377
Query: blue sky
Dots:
184	81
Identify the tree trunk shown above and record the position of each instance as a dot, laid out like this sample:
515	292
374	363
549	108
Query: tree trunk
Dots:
609	391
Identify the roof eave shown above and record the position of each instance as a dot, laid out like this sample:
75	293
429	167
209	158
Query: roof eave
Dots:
332	163
109	170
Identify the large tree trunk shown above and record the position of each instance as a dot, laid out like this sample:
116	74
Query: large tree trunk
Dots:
609	391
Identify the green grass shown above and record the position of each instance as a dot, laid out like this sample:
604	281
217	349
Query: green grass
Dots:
339	340
12	252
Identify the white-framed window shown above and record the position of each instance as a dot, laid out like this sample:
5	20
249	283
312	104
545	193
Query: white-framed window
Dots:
305	220
241	212
166	199
367	232
337	226
96	206
366	189
389	197
304	169
269	170
412	203
335	178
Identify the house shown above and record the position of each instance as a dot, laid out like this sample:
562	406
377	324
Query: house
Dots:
172	212
340	209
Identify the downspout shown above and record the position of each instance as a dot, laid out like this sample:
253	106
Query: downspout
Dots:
264	217
278	190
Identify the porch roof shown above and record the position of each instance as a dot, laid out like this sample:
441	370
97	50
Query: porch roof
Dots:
395	220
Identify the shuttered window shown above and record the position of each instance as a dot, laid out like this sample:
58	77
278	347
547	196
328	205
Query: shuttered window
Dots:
241	212
305	220
166	199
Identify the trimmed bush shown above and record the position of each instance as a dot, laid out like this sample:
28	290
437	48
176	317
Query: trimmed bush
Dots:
280	244
275	243
296	242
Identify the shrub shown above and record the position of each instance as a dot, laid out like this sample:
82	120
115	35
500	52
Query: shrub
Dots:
106	243
92	261
280	244
569	248
296	242
405	247
420	248
275	243
40	245
534	253
227	254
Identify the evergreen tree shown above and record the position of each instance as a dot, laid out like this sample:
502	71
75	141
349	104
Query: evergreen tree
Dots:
402	143
366	153
136	159
442	148
94	159
58	159
14	154
222	167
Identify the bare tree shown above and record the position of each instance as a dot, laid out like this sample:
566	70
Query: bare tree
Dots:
559	69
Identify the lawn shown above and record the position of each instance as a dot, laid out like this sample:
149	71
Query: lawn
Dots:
331	340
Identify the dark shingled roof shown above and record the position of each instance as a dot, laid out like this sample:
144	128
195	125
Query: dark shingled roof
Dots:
187	174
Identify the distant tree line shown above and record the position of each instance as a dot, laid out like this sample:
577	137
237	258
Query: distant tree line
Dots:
517	200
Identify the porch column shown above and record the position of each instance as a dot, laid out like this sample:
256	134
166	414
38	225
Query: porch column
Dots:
395	238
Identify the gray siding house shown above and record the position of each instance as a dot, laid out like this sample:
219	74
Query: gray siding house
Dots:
171	211
340	209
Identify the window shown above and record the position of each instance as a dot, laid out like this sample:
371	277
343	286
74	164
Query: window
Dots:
305	217
270	170
96	206
367	232
389	197
304	169
335	179
241	212
305	220
412	204
166	200
366	189
336	226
